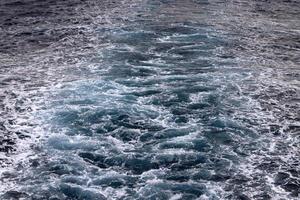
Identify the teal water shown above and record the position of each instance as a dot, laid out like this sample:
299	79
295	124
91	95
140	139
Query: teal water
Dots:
161	100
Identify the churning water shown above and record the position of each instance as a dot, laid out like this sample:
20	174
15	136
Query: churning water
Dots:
149	99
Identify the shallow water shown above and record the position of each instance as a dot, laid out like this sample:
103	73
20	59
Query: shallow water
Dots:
137	99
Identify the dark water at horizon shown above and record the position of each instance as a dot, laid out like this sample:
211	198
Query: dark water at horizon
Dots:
138	99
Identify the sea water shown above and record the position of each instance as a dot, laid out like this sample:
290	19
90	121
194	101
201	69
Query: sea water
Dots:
140	99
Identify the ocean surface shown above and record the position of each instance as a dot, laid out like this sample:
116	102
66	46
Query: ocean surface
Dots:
149	99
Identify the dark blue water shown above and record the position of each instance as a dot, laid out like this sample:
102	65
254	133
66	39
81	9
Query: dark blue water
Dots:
154	99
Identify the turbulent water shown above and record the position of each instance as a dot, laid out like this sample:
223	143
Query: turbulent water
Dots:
149	99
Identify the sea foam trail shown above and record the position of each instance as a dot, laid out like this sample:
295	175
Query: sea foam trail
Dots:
175	102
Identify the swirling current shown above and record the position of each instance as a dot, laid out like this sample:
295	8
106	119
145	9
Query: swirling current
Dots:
149	99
